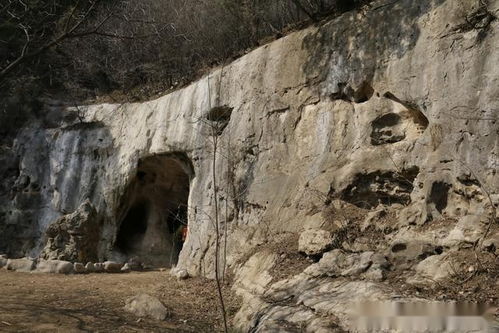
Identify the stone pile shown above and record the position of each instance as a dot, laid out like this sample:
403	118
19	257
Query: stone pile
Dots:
65	267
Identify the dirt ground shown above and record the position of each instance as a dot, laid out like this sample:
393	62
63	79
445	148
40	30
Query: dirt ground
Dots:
94	302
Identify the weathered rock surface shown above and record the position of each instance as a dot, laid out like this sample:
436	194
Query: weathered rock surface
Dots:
144	305
390	110
74	236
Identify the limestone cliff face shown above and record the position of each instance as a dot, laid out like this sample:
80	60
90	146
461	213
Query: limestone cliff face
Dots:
391	108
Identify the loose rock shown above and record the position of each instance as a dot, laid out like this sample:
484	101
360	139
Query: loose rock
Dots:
89	267
145	305
54	266
98	267
21	265
182	274
314	242
79	268
112	267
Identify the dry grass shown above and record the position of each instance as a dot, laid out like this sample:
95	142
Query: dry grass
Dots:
94	302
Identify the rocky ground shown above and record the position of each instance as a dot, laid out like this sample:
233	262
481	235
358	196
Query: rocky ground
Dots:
311	283
94	302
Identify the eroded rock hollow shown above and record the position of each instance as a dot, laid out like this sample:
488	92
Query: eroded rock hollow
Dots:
153	211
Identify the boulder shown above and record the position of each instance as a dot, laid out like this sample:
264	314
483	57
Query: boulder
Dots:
98	267
434	268
315	242
90	267
73	237
112	267
338	263
54	266
181	274
21	265
79	268
145	305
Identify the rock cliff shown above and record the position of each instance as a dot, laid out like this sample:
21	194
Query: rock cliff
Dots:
379	127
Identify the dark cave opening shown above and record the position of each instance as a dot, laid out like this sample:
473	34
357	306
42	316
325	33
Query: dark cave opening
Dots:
153	223
134	225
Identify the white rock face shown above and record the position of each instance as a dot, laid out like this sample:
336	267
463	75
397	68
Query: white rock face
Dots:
392	109
144	305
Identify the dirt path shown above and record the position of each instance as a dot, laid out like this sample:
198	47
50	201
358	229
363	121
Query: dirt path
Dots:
94	303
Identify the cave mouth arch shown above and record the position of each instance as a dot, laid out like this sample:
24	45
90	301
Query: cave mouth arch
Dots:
152	217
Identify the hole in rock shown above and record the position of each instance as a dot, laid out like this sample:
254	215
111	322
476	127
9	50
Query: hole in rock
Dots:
381	187
399	247
153	221
219	118
384	129
363	93
418	117
439	195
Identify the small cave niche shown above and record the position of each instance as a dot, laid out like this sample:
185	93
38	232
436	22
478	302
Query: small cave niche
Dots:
368	190
363	93
417	116
360	94
219	118
439	195
153	219
385	129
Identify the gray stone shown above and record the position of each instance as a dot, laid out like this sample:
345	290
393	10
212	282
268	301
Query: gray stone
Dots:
144	305
79	268
3	260
90	267
434	268
182	274
407	252
54	266
338	263
314	242
73	237
21	265
112	267
98	267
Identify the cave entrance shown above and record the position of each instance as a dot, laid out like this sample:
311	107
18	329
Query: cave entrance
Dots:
153	217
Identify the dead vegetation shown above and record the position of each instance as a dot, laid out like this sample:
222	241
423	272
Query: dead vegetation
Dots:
92	302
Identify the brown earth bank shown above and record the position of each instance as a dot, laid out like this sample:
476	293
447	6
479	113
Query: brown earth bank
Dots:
94	302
